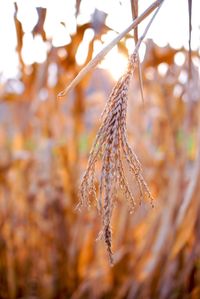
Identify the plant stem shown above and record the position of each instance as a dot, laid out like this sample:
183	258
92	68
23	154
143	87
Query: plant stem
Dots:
105	50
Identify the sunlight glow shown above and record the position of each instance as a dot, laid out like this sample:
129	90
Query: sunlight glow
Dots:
60	36
87	7
183	77
34	49
60	24
115	63
29	22
9	62
179	58
82	51
163	68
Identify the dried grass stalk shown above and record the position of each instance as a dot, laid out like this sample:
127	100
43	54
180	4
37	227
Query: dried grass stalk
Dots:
112	147
92	63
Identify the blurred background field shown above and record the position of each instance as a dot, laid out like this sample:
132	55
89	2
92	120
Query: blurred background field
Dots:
47	249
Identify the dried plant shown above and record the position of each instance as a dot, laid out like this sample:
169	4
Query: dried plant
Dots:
112	147
46	250
92	63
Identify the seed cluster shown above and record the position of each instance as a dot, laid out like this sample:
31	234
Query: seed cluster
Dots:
112	147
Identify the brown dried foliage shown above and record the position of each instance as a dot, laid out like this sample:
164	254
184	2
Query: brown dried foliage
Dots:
47	250
111	145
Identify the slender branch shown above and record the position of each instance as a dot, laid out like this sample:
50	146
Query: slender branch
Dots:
190	37
147	28
105	50
134	8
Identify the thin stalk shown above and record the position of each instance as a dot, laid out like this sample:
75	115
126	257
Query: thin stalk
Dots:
92	64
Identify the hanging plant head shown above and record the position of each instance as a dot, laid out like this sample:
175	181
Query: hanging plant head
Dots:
111	146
